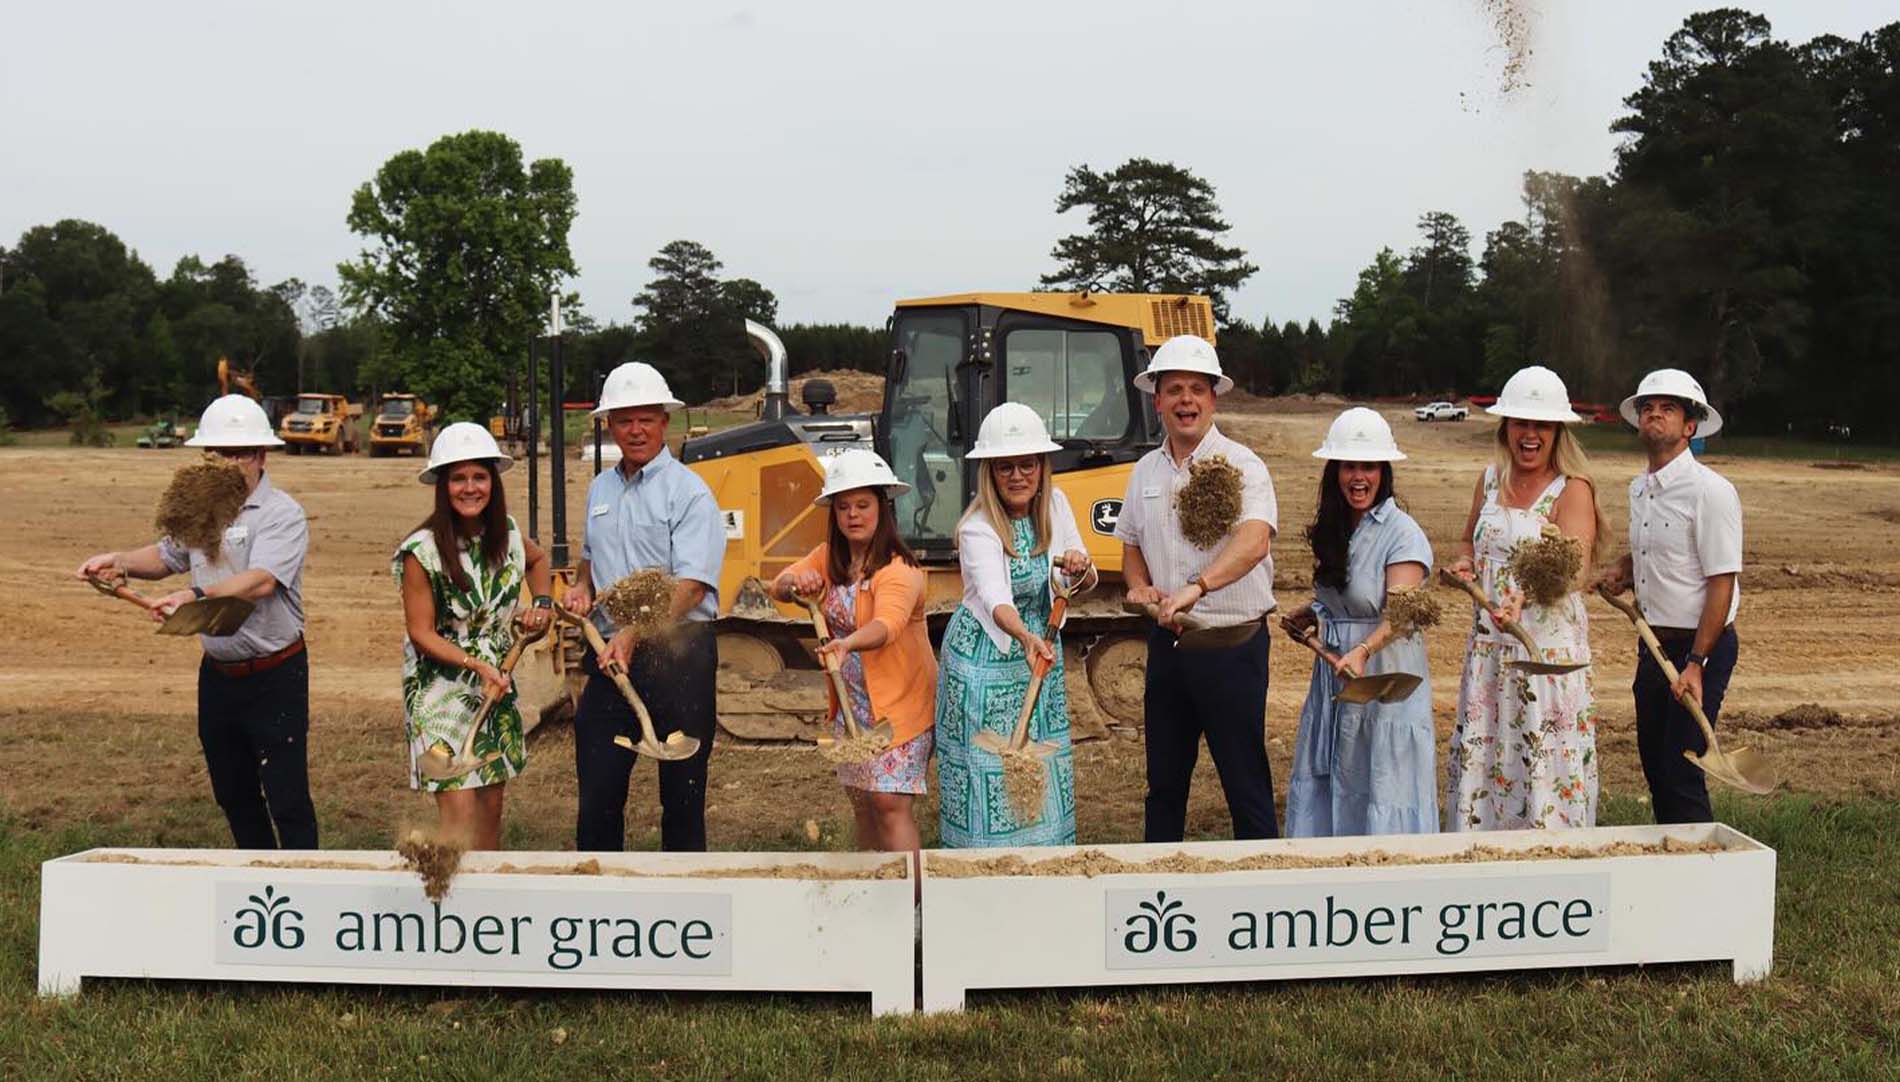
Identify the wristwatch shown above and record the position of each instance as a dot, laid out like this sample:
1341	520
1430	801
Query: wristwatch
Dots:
1693	658
1196	580
543	601
198	593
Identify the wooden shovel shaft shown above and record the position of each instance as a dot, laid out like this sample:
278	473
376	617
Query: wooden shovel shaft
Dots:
491	697
1309	638
1512	628
832	670
1648	635
124	592
618	675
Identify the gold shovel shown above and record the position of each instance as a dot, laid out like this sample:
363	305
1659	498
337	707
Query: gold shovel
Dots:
1744	768
1385	687
880	730
206	616
1529	663
1018	742
677	746
1195	635
436	764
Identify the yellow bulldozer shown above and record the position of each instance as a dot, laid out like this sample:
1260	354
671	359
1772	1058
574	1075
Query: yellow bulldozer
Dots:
402	423
1069	355
320	424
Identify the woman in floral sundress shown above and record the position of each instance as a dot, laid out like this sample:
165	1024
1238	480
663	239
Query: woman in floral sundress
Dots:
1523	753
458	616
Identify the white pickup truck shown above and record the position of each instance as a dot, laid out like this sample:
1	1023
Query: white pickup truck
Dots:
1440	411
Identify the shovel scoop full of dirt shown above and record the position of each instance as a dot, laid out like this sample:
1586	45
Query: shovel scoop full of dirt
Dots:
201	502
1209	503
642	601
433	858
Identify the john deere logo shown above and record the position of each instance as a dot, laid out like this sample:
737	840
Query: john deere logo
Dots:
1104	515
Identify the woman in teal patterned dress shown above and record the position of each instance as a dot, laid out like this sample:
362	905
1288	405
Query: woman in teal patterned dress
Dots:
458	618
1017	528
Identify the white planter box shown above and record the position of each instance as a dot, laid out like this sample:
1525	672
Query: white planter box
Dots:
209	915
1129	929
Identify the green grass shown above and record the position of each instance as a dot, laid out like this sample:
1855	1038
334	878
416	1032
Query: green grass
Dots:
1830	1010
63	437
1623	438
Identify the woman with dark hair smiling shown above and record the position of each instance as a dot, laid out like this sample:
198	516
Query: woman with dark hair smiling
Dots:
458	612
1363	768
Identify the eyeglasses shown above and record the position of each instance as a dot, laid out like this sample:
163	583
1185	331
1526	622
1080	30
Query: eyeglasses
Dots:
1027	468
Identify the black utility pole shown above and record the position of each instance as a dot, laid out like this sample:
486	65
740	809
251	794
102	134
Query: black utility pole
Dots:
557	444
600	388
534	450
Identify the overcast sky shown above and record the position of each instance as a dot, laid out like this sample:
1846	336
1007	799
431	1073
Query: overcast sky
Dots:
843	154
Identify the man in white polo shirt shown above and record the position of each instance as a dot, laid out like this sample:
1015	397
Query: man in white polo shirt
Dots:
1685	561
1221	693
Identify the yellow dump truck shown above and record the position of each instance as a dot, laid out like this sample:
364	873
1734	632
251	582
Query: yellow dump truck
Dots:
402	423
321	423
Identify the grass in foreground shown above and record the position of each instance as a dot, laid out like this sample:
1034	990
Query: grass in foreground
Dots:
1831	1009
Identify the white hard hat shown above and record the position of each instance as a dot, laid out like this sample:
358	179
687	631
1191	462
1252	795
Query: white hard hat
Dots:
1673	383
1184	353
234	420
1535	394
1012	429
635	383
858	468
463	441
1360	435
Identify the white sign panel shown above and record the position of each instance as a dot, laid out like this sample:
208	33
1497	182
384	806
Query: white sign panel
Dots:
515	931
1264	924
734	522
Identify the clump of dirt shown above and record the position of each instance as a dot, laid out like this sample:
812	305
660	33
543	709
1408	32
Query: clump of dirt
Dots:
1413	608
1808	716
1840	465
1887	514
1511	22
1090	863
435	859
853	750
1209	503
201	502
858	392
1025	783
642	601
1547	567
894	868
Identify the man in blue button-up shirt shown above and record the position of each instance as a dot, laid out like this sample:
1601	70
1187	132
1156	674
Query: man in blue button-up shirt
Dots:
648	511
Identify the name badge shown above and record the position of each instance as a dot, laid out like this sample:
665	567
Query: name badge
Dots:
237	535
597	510
1150	493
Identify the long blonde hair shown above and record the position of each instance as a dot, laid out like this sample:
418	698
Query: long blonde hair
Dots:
1569	459
989	504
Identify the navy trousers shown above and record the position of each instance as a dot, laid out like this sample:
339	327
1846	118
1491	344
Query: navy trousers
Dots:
1678	792
1221	695
675	679
254	730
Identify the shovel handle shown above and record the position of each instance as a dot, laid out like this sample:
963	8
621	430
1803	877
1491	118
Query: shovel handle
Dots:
1512	627
615	672
1309	638
1648	635
832	671
1153	612
122	591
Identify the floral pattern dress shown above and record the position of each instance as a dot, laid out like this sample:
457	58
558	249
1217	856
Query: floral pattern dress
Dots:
1523	753
439	701
900	769
980	687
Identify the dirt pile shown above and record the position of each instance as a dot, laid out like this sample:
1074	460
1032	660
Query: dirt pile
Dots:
853	750
858	392
1025	784
1808	716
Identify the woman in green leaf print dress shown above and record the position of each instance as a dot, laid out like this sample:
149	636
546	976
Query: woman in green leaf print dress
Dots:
458	615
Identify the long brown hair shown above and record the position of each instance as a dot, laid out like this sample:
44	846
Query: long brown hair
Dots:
1331	531
441	524
885	545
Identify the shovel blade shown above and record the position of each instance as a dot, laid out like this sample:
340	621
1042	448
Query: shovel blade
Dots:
1216	638
993	742
1399	685
1744	768
1362	689
208	616
1546	668
677	746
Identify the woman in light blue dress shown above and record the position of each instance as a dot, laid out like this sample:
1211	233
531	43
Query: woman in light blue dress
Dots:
1363	768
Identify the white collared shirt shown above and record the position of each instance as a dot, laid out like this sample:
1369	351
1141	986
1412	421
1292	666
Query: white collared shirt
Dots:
1685	526
1148	521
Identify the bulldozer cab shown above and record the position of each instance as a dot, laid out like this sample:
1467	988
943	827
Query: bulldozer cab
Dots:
1070	356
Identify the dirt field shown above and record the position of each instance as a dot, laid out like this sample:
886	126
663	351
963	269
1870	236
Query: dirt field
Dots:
85	685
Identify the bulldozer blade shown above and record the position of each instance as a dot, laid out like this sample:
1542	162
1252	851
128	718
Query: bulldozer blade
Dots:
208	616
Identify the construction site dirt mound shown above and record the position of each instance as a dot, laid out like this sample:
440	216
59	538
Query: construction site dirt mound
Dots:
858	392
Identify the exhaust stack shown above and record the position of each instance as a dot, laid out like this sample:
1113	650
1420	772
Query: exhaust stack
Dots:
778	387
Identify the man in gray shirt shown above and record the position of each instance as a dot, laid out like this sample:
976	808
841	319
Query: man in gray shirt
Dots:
254	684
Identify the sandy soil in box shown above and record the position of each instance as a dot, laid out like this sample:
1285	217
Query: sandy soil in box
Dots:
96	713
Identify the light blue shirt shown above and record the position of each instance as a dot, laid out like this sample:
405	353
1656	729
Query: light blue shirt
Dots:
661	515
269	533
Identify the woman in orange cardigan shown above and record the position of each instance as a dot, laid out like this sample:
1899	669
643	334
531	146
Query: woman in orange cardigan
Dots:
874	603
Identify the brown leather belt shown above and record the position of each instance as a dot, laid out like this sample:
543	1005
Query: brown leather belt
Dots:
1677	634
251	666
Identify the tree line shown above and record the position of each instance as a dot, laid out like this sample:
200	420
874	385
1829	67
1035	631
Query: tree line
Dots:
1749	232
